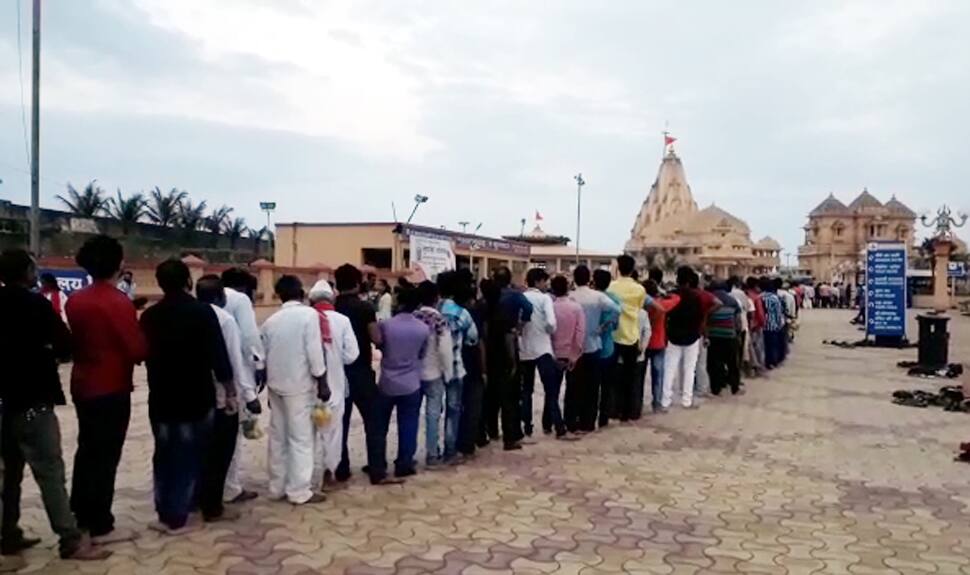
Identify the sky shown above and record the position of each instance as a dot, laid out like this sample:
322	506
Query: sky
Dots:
337	110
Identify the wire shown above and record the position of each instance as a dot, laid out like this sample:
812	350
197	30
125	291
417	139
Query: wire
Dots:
23	105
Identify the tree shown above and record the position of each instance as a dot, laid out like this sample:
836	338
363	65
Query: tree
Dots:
88	203
218	220
670	262
127	210
191	217
258	235
235	230
164	209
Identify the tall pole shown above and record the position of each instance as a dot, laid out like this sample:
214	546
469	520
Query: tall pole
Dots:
579	205
35	139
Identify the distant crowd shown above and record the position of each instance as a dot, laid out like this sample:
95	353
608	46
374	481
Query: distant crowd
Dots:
470	353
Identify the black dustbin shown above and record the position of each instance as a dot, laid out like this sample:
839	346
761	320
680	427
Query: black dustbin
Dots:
934	341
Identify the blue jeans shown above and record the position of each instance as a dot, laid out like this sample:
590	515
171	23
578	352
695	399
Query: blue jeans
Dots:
656	359
408	413
551	377
441	397
177	466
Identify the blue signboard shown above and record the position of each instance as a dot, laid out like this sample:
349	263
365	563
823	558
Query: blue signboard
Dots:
956	269
68	280
886	289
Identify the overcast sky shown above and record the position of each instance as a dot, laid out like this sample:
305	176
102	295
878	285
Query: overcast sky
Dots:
336	109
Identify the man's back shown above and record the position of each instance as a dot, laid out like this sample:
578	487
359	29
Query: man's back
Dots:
185	350
240	307
106	339
294	351
405	339
361	314
597	306
631	297
536	338
32	337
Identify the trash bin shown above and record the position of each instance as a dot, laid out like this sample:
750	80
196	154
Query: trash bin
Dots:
934	341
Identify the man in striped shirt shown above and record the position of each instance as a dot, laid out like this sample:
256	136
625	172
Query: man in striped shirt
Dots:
722	331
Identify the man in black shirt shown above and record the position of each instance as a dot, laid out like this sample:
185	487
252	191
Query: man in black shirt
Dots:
185	350
361	380
33	338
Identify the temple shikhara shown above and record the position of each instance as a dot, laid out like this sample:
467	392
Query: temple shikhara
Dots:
670	231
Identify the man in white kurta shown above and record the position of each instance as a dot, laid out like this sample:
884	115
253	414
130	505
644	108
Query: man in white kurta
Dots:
294	366
240	307
339	349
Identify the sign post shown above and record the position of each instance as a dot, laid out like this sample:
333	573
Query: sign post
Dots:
885	287
431	254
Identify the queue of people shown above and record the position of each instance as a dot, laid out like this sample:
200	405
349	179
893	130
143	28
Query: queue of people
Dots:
469	353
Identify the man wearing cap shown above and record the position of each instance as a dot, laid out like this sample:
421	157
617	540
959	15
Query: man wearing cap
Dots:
339	349
295	377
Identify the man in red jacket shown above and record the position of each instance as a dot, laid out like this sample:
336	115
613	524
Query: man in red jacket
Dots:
107	343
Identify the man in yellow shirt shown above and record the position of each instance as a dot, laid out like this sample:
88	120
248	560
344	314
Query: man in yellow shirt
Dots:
632	297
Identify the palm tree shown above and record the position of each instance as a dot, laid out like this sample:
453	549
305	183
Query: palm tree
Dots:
235	230
191	217
163	209
88	203
127	210
258	235
218	219
670	262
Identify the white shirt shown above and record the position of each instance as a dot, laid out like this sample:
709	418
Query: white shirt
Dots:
294	354
747	306
384	305
439	361
341	351
242	373
645	332
240	308
789	302
536	338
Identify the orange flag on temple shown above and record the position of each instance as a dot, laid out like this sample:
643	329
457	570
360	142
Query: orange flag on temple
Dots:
669	140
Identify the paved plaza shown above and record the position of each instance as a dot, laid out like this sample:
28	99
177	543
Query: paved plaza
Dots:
812	471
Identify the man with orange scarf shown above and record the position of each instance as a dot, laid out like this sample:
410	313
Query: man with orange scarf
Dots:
339	349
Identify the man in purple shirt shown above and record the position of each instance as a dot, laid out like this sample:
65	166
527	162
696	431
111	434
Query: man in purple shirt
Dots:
404	341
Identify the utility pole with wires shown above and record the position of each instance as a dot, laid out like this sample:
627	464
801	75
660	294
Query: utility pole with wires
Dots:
35	139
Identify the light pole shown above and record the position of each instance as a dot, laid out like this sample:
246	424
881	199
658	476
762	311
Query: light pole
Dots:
464	226
35	139
268	207
580	182
418	200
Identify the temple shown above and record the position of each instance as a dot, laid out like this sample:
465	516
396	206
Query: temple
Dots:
836	234
670	231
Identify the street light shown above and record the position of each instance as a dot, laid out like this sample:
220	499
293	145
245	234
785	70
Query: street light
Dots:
418	200
464	226
580	182
268	207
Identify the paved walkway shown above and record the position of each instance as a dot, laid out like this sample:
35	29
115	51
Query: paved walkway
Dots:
813	470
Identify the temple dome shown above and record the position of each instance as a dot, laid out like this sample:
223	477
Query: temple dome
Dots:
830	206
715	219
897	207
767	243
865	200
